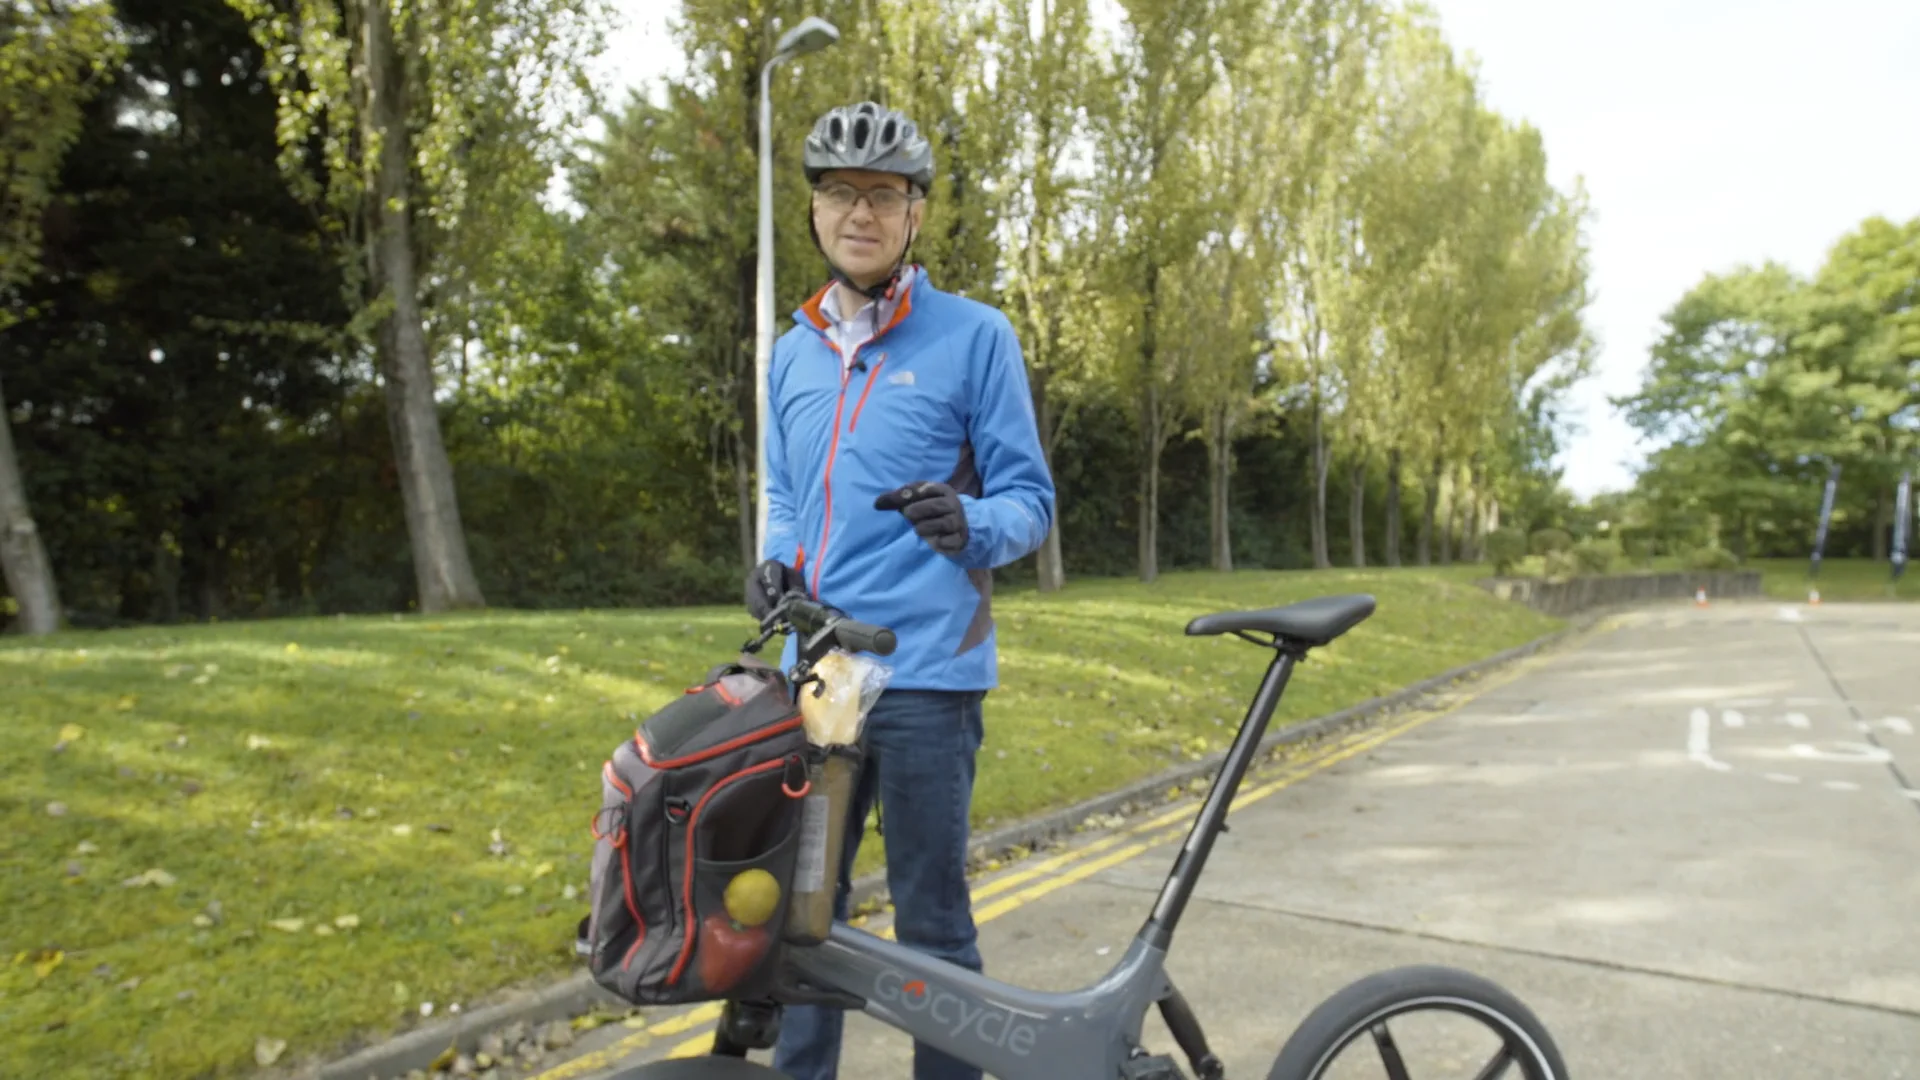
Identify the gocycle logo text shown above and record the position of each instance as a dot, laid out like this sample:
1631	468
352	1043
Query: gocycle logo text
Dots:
958	1015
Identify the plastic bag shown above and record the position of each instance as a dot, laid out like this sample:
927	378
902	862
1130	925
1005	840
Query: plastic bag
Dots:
835	704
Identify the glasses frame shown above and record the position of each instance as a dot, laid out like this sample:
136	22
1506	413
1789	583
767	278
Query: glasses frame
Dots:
911	195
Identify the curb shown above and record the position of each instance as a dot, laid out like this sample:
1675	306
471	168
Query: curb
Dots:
578	993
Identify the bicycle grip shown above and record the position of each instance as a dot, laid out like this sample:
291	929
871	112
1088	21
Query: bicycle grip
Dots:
864	637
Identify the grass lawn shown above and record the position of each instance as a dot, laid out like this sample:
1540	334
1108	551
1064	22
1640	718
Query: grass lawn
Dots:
1840	579
301	831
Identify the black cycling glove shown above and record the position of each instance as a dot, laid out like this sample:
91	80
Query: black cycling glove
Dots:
935	511
767	584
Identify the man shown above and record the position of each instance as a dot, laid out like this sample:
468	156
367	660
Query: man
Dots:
904	465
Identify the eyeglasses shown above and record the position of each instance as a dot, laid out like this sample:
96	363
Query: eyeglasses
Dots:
883	200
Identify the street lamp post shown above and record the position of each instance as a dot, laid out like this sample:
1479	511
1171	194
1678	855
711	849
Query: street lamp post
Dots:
812	35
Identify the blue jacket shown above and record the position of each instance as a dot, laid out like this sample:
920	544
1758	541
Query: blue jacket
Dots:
939	394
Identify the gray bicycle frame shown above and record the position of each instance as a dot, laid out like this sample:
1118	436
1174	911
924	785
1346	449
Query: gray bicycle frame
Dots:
1013	1033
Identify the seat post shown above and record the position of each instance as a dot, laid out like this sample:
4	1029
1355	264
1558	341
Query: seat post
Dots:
1185	874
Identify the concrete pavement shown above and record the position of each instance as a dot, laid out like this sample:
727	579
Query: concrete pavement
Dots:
1690	842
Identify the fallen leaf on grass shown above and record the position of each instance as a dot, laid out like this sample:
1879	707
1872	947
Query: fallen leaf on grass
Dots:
44	961
346	922
542	870
126	703
323	930
71	733
56	809
291	926
516	889
267	1051
86	847
445	1060
155	876
403	830
571	892
129	986
258	742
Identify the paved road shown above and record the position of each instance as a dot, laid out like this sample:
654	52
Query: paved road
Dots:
1690	841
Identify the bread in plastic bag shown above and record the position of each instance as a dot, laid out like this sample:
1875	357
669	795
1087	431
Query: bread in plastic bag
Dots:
834	704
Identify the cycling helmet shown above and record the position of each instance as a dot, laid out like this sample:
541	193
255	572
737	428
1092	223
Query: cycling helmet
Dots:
869	136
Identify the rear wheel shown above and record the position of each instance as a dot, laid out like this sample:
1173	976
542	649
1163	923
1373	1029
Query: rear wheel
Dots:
1351	1035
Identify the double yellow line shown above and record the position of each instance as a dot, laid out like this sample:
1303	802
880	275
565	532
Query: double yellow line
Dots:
1040	878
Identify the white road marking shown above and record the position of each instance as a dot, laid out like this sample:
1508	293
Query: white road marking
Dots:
1858	753
1698	747
1794	719
1899	725
1732	718
1782	778
1914	794
1842	785
1790	614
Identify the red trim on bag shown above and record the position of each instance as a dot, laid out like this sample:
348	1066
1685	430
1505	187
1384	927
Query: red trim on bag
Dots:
626	879
606	770
781	728
725	694
686	891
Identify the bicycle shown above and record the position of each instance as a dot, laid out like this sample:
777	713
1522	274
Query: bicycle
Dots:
1094	1033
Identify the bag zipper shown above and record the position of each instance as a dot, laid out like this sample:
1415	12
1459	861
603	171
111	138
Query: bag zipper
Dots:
781	728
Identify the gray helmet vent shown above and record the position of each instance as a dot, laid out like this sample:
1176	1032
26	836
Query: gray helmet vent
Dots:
869	136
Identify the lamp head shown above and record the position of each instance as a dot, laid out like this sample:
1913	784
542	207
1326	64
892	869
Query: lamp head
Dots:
812	35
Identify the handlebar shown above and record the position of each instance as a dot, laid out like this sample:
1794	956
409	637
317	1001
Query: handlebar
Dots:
823	626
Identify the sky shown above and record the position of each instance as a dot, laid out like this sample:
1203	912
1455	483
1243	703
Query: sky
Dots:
1708	134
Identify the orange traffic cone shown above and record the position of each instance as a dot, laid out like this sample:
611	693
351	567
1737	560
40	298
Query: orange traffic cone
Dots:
1813	596
1700	596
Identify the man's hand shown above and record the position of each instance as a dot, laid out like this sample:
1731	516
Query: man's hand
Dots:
935	511
767	583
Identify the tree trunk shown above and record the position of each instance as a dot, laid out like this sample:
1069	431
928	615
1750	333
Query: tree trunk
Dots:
1426	517
1470	518
1448	525
1882	527
1219	477
1052	564
743	495
1150	431
23	558
1318	517
1393	507
1150	489
1357	513
443	571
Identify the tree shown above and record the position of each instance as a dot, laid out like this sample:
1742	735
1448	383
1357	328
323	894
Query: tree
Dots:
53	57
1047	87
425	119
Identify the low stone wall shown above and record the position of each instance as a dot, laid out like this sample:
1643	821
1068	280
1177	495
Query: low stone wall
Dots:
1578	594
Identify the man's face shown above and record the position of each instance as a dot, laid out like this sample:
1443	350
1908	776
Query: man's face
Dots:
862	218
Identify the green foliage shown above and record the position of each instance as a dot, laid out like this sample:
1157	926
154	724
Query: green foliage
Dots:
1763	379
1560	564
1548	541
1711	557
1505	548
1596	556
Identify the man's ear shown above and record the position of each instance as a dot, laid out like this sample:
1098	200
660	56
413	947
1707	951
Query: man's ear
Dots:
917	213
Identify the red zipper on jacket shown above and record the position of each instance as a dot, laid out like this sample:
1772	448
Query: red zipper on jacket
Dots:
686	887
833	447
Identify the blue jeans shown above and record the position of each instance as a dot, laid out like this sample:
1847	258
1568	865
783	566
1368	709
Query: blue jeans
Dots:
920	748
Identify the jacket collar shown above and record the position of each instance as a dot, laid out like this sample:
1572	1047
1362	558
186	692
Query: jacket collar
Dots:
900	301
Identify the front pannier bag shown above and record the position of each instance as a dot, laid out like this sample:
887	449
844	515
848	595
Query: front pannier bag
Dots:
695	843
